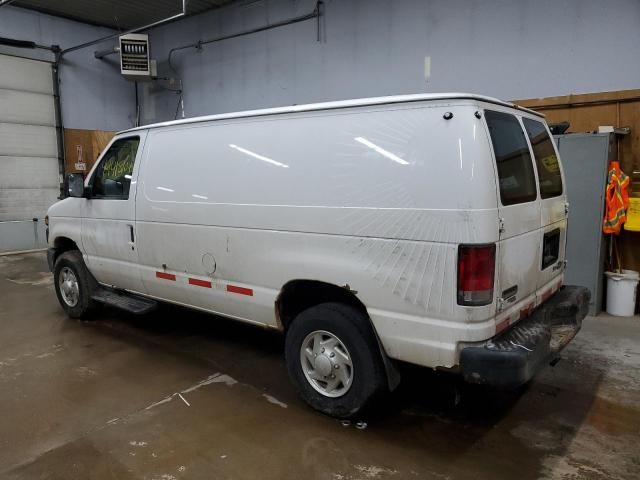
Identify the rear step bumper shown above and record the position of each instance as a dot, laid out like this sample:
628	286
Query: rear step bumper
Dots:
513	357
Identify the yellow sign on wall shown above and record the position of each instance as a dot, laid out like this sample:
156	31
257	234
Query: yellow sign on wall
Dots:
633	215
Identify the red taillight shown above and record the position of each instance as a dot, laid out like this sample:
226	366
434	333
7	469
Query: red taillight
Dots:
476	267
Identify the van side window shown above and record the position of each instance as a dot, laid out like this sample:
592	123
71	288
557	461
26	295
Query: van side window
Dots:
513	159
112	178
546	159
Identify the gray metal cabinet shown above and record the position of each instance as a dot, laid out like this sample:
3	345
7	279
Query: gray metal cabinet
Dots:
585	158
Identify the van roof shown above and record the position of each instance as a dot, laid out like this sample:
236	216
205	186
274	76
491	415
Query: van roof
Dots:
359	102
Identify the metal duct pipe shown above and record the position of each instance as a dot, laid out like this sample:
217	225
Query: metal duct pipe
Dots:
317	12
59	123
28	44
133	30
100	54
12	42
56	75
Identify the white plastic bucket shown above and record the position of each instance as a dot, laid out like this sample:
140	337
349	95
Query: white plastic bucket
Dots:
621	292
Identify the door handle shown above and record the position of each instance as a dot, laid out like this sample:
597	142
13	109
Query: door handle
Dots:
510	293
131	236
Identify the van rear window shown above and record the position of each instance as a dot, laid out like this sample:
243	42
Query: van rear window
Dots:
546	159
515	168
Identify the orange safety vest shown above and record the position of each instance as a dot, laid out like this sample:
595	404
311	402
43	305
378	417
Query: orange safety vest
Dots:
617	199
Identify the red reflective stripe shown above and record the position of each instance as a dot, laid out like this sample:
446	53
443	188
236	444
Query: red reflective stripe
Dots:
546	295
199	283
500	326
526	311
166	276
240	290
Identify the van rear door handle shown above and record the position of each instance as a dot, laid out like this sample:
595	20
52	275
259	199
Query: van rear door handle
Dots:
510	292
508	296
131	235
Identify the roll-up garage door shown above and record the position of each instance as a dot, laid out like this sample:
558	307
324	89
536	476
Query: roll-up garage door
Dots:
28	152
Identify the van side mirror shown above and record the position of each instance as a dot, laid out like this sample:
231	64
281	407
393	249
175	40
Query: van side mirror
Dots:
75	185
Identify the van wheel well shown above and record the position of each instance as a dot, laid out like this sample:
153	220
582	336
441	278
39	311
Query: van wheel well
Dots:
63	244
298	295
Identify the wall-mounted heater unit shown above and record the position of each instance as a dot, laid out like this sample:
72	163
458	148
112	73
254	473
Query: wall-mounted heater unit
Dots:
135	63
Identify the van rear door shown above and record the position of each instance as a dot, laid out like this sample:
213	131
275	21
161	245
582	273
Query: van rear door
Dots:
553	207
519	210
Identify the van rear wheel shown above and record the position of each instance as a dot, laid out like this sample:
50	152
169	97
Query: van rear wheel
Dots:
333	359
74	284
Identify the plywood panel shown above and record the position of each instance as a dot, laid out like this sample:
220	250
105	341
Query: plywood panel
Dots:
630	145
82	148
583	119
581	99
588	111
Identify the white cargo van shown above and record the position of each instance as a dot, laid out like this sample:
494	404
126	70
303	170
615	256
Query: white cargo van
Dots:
427	229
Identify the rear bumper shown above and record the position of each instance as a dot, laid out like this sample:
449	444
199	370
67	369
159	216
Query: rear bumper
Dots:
513	357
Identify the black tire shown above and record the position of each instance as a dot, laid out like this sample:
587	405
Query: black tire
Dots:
73	261
353	328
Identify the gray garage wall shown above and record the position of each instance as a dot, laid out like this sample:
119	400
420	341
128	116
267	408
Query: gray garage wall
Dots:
505	48
94	94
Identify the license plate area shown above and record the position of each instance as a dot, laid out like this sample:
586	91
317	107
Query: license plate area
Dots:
550	248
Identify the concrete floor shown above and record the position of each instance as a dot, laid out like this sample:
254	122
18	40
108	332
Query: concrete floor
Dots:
99	400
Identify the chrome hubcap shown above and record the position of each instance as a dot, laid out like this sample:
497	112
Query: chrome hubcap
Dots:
326	364
69	289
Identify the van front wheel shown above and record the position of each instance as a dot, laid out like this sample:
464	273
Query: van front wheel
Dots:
333	359
74	284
